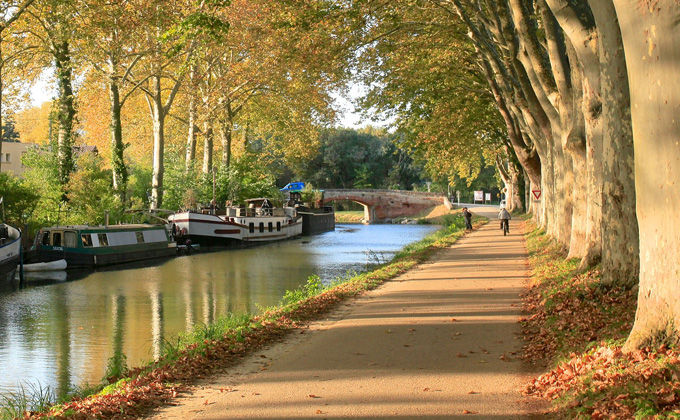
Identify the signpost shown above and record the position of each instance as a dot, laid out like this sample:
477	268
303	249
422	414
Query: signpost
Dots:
488	197
479	196
536	196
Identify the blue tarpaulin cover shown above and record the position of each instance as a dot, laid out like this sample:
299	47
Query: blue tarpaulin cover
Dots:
294	186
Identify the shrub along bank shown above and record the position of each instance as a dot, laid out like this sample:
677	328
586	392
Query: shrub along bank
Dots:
210	348
577	326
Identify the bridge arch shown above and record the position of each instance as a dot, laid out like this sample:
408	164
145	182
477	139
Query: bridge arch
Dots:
369	210
387	204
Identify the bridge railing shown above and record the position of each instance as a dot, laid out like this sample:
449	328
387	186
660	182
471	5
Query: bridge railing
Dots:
378	191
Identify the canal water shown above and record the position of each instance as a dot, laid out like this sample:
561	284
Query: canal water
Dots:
61	334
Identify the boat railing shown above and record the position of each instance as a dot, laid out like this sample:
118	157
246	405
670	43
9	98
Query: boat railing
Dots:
255	212
265	211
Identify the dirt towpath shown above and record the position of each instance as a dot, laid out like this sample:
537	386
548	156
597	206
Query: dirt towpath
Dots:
439	342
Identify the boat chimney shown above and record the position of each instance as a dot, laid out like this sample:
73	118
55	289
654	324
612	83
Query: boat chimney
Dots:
106	217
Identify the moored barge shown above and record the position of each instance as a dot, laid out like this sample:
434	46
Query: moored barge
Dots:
95	246
10	249
237	226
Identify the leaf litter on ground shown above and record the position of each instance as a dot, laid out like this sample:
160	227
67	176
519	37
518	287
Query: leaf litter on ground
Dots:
577	324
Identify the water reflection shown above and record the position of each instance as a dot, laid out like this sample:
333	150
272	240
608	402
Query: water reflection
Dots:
66	333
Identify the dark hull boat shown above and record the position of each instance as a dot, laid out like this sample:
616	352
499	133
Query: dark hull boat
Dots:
95	246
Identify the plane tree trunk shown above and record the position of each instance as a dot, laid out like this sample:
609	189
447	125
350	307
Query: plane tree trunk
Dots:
619	232
120	174
191	137
66	110
208	142
652	57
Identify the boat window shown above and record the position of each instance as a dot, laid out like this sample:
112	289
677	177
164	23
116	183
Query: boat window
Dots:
158	235
70	239
251	227
46	238
103	240
261	227
56	239
87	240
278	226
140	237
271	226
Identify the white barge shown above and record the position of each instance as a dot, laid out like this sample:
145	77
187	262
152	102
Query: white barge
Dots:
10	249
237	226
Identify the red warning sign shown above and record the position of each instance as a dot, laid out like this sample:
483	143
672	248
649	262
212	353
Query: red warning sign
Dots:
537	194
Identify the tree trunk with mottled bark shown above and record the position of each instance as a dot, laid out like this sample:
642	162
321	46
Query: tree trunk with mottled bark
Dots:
208	142
225	131
619	237
649	31
158	117
66	110
191	137
120	175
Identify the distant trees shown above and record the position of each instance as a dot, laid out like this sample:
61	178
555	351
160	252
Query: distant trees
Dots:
360	159
19	199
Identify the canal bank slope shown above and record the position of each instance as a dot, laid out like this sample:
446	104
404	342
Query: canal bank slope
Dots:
440	341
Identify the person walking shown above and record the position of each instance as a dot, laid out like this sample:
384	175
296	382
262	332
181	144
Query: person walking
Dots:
468	218
505	219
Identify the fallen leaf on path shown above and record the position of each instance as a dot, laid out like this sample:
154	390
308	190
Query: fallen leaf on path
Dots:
313	396
388	332
460	355
454	320
411	329
489	288
319	412
474	392
470	412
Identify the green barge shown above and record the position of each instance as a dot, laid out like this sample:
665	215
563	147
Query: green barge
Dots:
95	246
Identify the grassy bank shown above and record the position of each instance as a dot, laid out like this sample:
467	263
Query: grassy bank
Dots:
209	348
349	216
433	215
576	328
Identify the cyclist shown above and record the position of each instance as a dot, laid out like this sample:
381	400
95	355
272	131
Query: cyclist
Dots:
505	219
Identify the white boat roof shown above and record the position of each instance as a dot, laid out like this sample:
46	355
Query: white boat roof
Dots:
125	226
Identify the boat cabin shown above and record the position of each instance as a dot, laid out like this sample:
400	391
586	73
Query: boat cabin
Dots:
95	237
101	245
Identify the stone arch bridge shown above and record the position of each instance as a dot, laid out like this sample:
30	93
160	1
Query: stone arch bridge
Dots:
380	205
